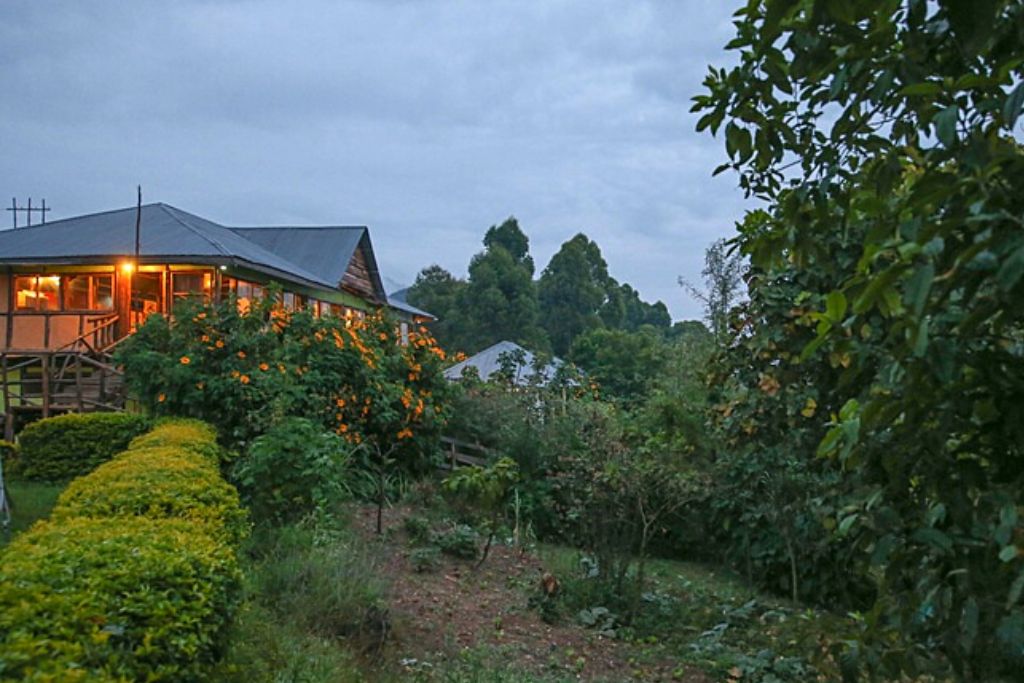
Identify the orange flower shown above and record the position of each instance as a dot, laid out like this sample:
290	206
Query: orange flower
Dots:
219	344
161	398
235	373
201	316
342	428
205	338
185	360
244	379
264	367
340	402
200	385
405	434
241	354
383	336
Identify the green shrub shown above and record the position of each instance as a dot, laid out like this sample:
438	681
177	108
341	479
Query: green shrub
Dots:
192	435
459	541
63	447
426	559
157	482
292	470
104	599
9	457
417	529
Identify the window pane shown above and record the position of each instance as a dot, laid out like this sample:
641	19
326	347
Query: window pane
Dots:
25	293
76	292
102	292
289	301
190	284
49	292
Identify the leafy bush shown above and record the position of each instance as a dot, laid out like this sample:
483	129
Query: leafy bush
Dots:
63	447
292	470
417	529
104	599
9	457
156	482
191	435
459	541
425	559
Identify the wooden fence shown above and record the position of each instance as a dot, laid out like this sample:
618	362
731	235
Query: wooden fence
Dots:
462	453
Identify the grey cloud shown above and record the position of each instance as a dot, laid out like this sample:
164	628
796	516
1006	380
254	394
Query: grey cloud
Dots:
429	121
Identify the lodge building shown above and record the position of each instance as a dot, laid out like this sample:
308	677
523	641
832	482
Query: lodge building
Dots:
71	289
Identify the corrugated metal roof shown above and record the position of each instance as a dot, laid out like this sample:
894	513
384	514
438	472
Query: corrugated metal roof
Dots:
398	300
487	362
173	234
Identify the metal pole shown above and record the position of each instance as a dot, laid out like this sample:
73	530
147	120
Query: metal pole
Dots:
28	213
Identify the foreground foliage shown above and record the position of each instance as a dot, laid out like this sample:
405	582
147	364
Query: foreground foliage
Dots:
66	446
134	578
886	285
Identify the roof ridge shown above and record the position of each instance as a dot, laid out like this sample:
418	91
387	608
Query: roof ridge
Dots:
188	226
296	227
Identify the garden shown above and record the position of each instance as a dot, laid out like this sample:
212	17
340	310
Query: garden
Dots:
824	484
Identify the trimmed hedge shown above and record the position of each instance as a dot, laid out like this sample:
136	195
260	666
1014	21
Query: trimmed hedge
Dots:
192	435
134	577
86	599
67	446
158	482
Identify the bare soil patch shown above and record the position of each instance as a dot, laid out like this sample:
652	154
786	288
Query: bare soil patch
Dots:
438	614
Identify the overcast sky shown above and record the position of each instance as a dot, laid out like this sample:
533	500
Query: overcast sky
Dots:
427	121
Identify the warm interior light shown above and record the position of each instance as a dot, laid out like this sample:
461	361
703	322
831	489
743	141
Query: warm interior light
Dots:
127	267
223	267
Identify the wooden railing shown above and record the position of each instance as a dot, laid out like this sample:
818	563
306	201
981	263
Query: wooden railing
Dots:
463	453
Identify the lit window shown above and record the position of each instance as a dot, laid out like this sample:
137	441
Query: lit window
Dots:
184	285
88	292
37	293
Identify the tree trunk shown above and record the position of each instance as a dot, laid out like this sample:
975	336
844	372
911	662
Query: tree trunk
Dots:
487	549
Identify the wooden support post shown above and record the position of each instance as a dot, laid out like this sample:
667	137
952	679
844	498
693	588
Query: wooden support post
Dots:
78	383
8	409
453	455
45	362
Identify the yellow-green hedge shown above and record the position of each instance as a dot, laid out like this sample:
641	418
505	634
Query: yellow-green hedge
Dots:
139	599
156	482
192	435
134	577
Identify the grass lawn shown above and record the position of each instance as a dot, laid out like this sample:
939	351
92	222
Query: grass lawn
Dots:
29	501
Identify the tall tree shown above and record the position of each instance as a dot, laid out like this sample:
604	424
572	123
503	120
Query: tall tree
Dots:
500	300
723	282
437	291
880	136
572	290
510	237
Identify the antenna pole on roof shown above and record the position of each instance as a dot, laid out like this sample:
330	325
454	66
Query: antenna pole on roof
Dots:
138	225
28	210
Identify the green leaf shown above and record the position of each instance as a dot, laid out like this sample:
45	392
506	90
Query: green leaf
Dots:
933	537
918	287
945	125
1012	106
1008	553
835	306
925	88
1012	270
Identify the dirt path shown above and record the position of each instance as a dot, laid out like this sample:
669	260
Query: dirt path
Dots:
437	614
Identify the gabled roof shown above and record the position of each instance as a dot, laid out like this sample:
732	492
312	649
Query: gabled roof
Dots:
311	256
487	362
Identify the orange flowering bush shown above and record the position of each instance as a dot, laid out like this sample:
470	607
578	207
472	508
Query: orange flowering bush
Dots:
245	371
